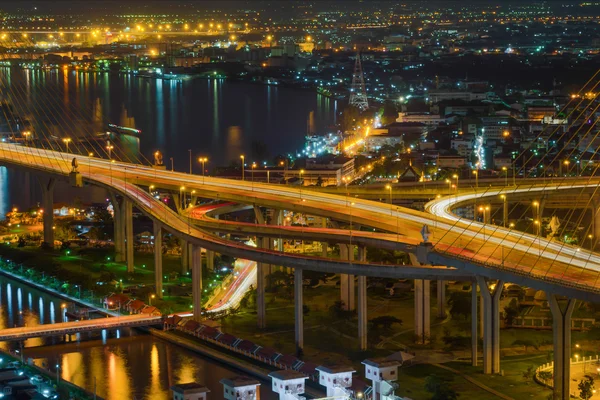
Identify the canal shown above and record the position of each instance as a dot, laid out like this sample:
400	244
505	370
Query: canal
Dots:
121	364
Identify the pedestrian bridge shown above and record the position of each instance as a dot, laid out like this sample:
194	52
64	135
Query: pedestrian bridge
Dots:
69	328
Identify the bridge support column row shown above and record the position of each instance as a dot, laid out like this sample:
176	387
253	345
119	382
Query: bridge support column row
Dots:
158	272
299	309
48	207
197	281
362	303
561	325
346	280
422	310
491	325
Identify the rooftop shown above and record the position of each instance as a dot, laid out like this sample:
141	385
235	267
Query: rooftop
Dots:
189	388
335	369
239	381
287	374
381	362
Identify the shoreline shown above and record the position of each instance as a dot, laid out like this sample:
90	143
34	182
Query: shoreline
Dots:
215	355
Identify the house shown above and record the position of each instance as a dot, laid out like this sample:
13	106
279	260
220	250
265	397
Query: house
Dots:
135	306
115	301
288	383
410	174
240	387
380	370
454	162
336	379
151	311
189	391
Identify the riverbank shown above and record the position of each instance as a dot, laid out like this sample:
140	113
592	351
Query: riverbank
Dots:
235	362
221	357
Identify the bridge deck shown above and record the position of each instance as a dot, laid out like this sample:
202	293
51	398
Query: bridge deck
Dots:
65	328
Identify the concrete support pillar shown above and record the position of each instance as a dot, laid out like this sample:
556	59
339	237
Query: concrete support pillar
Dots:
158	272
441	299
561	329
260	296
324	245
362	312
48	207
474	337
491	325
185	257
299	309
210	260
347	281
119	228
128	217
362	303
422	311
197	281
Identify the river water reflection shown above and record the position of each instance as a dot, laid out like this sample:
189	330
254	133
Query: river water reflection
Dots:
121	363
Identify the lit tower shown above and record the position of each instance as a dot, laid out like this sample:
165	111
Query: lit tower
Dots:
358	95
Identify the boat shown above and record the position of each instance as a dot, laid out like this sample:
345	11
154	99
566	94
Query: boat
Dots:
123	130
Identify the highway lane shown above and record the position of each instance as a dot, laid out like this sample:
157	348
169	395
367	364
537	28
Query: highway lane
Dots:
449	237
124	178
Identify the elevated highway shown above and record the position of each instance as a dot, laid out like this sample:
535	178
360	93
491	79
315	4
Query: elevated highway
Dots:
464	248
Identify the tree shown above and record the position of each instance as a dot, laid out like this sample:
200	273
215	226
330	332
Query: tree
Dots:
528	373
385	321
526	343
545	376
460	304
586	387
511	311
439	388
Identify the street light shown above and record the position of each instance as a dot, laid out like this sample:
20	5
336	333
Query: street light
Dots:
181	194
203	160
109	147
389	187
301	183
505	175
455	176
190	151
90	155
253	166
26	134
476	173
172	164
505	209
536	204
150	189
566	163
67	141
150	299
449	182
243	165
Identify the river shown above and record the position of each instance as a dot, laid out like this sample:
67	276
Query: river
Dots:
213	118
123	363
217	119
